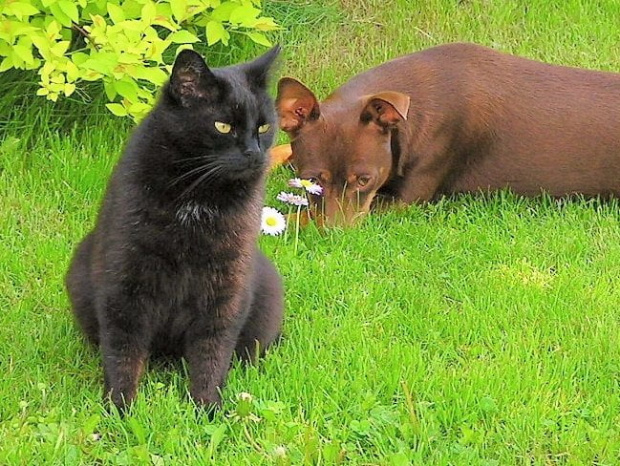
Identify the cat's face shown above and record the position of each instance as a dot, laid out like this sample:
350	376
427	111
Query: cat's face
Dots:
222	119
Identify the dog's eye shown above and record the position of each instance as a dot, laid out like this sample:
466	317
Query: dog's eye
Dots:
363	180
262	129
223	128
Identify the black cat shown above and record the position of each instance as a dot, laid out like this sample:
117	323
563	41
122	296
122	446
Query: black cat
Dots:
172	267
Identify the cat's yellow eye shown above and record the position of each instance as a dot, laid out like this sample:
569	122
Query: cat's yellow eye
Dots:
262	129
223	128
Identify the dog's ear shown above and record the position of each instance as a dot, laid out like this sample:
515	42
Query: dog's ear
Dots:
386	109
296	105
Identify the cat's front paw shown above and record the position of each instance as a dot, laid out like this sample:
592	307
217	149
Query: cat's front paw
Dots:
209	403
122	402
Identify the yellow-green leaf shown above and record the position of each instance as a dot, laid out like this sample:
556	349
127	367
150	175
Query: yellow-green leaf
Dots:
178	50
179	9
20	10
117	109
60	48
73	72
40	42
109	89
259	38
128	88
70	9
182	37
145	94
215	32
223	11
79	58
155	49
266	24
24	53
69	89
149	11
102	62
244	16
59	15
58	79
47	69
139	108
53	29
151	74
98	22
22	29
165	22
5	48
116	13
132	26
91	75
132	9
7	63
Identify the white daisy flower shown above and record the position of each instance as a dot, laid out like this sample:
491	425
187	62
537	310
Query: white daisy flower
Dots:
314	189
272	221
294	199
308	185
295	183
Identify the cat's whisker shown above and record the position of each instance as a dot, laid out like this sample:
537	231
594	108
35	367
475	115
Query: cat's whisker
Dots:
192	172
204	177
210	175
193	159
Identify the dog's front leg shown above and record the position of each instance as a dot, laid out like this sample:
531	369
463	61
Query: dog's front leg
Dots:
424	179
421	187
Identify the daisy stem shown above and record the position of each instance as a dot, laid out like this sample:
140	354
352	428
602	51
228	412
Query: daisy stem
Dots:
288	220
297	228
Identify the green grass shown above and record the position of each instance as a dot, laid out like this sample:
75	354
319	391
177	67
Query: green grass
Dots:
481	330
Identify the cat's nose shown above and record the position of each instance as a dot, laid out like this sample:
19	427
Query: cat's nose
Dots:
250	147
252	152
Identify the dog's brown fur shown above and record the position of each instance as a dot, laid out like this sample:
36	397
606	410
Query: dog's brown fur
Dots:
455	118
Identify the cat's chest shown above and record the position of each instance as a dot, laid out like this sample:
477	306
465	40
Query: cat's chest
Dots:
195	213
190	239
197	236
195	222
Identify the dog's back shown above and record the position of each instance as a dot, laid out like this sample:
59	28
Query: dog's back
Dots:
457	118
515	122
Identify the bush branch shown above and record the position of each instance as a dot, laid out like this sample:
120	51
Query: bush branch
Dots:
76	27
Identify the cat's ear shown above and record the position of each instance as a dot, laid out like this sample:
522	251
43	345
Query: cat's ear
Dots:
258	70
190	77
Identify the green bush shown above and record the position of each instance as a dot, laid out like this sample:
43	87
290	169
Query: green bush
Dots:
121	43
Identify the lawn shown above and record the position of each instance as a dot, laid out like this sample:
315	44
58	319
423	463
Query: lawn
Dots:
479	330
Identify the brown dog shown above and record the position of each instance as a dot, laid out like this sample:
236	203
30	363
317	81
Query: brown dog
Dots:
455	118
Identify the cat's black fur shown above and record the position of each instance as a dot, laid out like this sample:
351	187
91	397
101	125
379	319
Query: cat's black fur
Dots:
172	265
